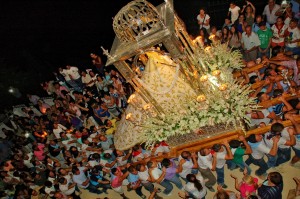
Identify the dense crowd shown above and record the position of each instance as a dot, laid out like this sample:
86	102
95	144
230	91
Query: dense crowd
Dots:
68	146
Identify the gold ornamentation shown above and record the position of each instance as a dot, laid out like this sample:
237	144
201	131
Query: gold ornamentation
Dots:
216	73
222	87
201	98
135	20
203	78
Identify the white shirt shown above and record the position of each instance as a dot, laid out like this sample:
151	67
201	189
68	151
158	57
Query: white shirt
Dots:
162	149
221	158
28	162
76	110
203	20
271	17
73	71
277	33
259	151
64	73
144	176
294	34
121	162
103	162
285	134
297	145
269	142
65	189
65	142
156	173
59	129
250	41
87	79
190	187
49	190
87	152
81	178
205	162
235	12
186	167
93	163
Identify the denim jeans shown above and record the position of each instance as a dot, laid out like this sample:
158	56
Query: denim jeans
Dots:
267	54
74	85
167	185
284	155
263	167
272	160
138	191
93	189
79	84
148	186
220	175
232	165
295	51
176	180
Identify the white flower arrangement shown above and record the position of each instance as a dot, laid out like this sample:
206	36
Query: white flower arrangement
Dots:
222	106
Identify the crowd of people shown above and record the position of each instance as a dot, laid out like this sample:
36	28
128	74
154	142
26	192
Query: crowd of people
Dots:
68	146
247	31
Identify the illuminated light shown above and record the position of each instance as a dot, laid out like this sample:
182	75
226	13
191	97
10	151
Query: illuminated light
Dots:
216	73
198	39
27	135
43	110
207	49
129	116
222	87
201	98
147	107
211	37
203	78
138	70
11	90
44	134
131	98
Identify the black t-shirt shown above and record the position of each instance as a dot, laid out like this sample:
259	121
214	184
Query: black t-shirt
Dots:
53	152
89	106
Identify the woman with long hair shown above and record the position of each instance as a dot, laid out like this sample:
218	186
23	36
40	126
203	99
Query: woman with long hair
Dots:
249	13
225	35
205	36
234	39
194	187
241	25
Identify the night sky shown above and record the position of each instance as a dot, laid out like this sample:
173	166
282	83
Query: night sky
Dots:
37	37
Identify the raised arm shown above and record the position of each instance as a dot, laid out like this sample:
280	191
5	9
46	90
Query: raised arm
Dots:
229	155
274	148
248	148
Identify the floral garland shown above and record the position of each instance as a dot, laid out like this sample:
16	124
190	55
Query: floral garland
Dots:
227	106
230	109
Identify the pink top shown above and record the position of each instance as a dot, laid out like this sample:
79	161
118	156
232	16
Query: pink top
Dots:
249	189
115	180
40	153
